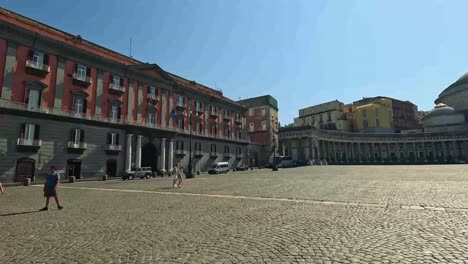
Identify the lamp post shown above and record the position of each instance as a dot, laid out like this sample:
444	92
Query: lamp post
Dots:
189	173
274	167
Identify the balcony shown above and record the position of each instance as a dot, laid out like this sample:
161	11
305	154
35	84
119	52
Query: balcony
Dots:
198	154
116	88
38	69
179	153
199	110
28	145
81	80
74	147
213	154
153	99
239	156
226	117
213	114
180	106
113	149
227	155
238	121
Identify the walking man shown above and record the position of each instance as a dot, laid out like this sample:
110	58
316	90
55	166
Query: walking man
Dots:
1	188
50	188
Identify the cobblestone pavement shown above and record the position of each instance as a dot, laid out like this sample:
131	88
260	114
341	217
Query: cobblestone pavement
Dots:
347	214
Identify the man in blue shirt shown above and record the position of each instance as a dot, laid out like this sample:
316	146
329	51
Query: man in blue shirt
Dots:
50	188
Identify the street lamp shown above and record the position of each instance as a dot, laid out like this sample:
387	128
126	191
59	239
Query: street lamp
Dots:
274	167
189	173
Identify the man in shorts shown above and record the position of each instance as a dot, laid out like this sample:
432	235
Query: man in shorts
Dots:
50	188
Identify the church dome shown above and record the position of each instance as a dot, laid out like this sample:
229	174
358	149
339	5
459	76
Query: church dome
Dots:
443	115
456	94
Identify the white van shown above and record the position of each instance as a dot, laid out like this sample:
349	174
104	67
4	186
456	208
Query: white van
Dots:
220	167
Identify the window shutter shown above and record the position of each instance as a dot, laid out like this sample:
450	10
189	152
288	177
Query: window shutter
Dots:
26	96
117	139
109	138
85	106
88	71
72	135
76	67
182	145
22	130
111	78
119	112
36	132
81	135
46	59
30	54
121	82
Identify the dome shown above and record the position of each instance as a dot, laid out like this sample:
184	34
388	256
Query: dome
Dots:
456	94
443	115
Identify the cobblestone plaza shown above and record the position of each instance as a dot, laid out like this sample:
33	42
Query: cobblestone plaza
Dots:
328	214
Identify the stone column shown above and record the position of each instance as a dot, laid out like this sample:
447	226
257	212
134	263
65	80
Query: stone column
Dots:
346	151
318	150
445	150
381	152
163	155
434	152
456	150
389	156
171	155
138	152
358	147
424	151
128	156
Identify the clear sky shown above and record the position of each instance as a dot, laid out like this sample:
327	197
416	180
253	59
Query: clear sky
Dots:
302	52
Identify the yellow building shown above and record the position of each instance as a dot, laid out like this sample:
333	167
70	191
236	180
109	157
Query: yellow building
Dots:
329	116
374	116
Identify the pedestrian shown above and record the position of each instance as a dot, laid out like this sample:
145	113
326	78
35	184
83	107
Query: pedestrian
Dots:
175	172
50	188
179	176
1	188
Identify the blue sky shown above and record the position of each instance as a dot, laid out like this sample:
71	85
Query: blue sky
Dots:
303	52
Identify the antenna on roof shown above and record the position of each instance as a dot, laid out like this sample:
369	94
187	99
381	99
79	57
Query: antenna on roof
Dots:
130	55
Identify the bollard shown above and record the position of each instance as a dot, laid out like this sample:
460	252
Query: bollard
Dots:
104	177
27	182
198	172
72	179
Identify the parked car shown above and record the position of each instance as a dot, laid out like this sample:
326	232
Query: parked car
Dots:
241	168
143	172
220	167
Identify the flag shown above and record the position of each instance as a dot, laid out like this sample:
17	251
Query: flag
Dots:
173	114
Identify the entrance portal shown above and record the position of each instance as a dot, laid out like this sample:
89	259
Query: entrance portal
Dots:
25	168
111	168
149	156
74	168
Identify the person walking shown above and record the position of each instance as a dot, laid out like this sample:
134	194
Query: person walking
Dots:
179	176
50	188
175	172
1	188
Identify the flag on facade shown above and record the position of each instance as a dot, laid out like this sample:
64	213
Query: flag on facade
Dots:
173	114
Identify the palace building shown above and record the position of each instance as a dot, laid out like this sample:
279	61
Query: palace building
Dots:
386	131
90	111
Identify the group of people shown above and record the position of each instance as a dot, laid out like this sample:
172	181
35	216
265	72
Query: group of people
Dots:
53	180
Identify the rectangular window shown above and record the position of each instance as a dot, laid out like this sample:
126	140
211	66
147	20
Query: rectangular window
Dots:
33	99
77	136
81	71
180	145
321	119
213	110
28	134
329	117
115	112
251	112
226	149
152	91
198	106
151	119
112	139
213	147
214	131
78	106
38	58
180	101
115	81
180	124
263	111
252	127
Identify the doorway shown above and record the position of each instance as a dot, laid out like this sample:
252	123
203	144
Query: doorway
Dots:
74	168
111	168
149	157
25	168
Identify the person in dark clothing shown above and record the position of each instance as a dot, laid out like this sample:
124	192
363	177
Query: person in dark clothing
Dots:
50	188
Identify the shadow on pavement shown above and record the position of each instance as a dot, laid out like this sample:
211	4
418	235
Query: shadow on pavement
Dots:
20	213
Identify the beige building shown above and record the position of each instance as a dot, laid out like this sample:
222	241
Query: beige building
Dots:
328	116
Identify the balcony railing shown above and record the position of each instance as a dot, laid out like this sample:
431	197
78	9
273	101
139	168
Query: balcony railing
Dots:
123	120
227	155
213	154
179	152
152	98
116	88
114	148
81	80
74	145
37	68
180	106
29	142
